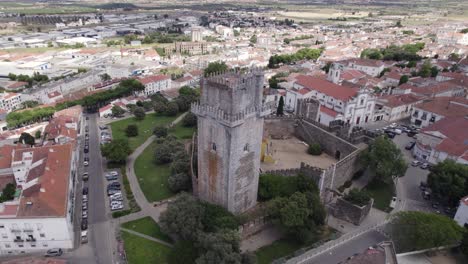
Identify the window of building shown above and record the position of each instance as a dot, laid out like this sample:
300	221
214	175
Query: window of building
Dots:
246	147
45	245
362	101
213	146
7	246
33	245
2	226
4	235
42	235
20	245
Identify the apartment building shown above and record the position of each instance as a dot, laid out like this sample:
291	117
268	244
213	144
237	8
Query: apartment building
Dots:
155	83
435	109
10	101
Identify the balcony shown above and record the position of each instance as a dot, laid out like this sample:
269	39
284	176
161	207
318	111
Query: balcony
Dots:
31	239
15	230
19	240
29	230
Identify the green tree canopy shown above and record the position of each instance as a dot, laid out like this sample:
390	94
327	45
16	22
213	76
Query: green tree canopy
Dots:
418	230
117	111
358	197
403	79
385	159
26	138
139	113
448	181
215	67
280	109
189	120
131	130
160	131
116	151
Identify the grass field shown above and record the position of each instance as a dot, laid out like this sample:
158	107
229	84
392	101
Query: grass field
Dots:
141	250
145	128
277	249
153	178
382	194
148	227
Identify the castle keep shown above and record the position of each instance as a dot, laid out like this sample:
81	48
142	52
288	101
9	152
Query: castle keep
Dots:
230	128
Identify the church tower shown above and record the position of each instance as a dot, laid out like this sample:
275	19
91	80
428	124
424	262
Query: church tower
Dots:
230	128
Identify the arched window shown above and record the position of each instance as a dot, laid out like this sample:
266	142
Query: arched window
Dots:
246	147
213	146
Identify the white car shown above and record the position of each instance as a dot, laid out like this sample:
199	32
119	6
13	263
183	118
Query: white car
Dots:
393	202
116	207
397	131
114	173
84	237
85	163
84	214
85	198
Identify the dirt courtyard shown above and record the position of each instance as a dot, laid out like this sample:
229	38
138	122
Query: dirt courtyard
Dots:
289	153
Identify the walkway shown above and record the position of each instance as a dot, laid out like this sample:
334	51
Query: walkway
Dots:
147	208
146	237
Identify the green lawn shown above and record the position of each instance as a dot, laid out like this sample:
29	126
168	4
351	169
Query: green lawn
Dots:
141	250
277	249
382	194
153	178
145	128
147	226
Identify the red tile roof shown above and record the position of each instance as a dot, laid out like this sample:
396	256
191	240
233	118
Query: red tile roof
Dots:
326	87
152	79
49	197
328	111
53	94
455	135
436	88
400	99
17	85
446	106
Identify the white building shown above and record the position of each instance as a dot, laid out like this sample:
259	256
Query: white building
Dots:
395	107
369	67
196	34
155	83
445	139
461	217
224	31
10	101
352	105
40	215
429	112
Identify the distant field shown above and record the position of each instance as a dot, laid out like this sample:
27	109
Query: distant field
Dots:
28	8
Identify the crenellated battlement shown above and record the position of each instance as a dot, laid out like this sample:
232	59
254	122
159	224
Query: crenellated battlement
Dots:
233	79
230	119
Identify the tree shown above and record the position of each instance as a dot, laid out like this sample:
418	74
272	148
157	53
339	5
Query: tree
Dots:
464	31
291	212
139	113
398	24
358	197
160	108
117	111
434	71
172	109
27	139
253	39
280	109
425	70
179	182
131	130
385	159
403	79
105	77
38	134
8	193
418	230
163	154
448	181
411	64
183	217
464	244
183	252
160	131
215	67
314	149
189	120
272	186
116	151
220	247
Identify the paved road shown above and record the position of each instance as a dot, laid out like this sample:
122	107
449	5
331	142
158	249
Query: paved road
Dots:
102	244
408	185
341	253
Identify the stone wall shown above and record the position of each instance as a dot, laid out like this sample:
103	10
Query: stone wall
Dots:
350	212
279	127
331	144
304	169
252	227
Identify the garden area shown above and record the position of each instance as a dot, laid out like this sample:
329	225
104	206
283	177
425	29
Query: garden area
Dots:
153	177
142	250
147	226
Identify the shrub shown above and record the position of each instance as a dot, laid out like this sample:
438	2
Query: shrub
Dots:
272	185
314	149
160	131
172	109
163	154
131	131
139	113
189	120
358	197
121	213
179	182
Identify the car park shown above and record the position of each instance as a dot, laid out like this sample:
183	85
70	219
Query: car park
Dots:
415	163
85	190
84	224
54	252
84	237
85	176
410	145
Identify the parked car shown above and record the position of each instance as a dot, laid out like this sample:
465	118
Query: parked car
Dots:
111	177
84	237
390	134
84	206
85	163
54	252
117	207
84	214
410	145
86	128
85	176
415	163
412	133
114	173
397	131
114	184
116	196
84	224
113	203
103	127
86	158
424	166
422	186
85	198
393	202
112	191
86	150
85	190
87	118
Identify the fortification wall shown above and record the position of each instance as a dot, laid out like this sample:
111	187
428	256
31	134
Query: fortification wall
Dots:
279	127
350	212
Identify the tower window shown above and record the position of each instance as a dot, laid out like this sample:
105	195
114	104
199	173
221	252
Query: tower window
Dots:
213	146
246	147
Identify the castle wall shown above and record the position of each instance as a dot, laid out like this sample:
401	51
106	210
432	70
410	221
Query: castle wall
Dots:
279	128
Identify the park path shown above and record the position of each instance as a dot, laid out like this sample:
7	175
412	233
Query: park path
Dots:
146	236
147	208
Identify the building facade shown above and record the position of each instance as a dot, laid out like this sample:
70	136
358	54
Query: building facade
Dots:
230	129
461	217
154	84
10	101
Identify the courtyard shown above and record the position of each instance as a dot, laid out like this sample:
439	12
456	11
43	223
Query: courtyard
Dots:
289	153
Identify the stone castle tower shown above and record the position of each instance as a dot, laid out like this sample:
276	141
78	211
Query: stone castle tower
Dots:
230	127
